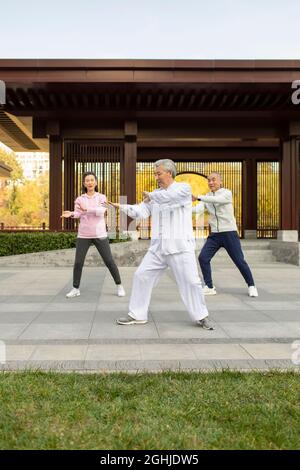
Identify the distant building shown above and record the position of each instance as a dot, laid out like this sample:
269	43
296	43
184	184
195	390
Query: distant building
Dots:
34	164
4	177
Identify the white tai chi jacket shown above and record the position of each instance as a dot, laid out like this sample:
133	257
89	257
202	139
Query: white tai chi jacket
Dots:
171	222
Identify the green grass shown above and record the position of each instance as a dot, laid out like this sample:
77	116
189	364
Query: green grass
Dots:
218	410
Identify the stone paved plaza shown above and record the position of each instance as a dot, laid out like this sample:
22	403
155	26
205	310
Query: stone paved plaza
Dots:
41	329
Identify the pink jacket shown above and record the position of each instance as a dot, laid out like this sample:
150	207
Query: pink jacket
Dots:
92	222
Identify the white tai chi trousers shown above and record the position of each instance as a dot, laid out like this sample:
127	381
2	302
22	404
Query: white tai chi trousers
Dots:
184	267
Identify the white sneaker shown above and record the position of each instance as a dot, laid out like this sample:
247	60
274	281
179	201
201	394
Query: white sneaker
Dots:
252	291
209	290
73	293
121	292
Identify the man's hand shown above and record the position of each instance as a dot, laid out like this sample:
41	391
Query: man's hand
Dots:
81	207
194	198
146	197
109	204
66	214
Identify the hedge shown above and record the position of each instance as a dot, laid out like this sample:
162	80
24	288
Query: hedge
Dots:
17	243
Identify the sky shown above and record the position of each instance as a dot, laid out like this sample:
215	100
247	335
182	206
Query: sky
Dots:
150	29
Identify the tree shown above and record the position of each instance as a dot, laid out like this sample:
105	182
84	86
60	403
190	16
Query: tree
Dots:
26	202
10	159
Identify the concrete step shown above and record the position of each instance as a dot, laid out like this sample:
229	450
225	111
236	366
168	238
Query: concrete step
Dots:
145	356
125	254
250	255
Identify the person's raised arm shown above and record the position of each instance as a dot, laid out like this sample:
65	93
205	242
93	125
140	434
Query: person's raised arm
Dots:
199	208
98	211
178	194
224	198
76	213
135	211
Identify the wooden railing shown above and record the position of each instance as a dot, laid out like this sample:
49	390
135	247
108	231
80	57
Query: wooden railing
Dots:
29	228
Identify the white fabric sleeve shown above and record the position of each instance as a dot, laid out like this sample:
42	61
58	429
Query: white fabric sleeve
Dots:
224	198
199	208
137	211
174	195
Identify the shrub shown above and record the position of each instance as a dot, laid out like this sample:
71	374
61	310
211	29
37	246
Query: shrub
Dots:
16	243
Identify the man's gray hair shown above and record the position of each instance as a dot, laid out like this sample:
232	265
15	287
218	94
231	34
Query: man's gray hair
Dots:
216	173
168	165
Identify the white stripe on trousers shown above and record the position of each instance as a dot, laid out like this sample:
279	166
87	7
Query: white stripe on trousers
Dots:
184	267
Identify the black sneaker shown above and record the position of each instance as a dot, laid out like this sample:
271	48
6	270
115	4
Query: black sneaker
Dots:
130	321
205	324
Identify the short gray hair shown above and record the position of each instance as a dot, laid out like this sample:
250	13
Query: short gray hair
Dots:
216	173
168	165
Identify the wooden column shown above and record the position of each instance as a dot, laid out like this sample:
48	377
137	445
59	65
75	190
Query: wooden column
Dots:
69	189
290	184
128	164
55	182
249	198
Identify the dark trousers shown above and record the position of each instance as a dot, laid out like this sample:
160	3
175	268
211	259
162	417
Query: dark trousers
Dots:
231	242
102	245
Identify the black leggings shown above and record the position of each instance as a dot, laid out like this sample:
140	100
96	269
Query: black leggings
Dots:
102	245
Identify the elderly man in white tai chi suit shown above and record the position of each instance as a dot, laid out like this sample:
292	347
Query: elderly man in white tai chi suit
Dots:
172	245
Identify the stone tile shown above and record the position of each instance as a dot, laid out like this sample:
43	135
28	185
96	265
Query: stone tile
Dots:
238	316
59	352
73	331
11	330
113	352
26	298
70	306
21	307
188	330
271	305
110	317
84	298
286	316
258	330
106	366
19	352
219	351
65	317
4	276
112	330
167	352
223	302
292	325
121	306
167	306
269	350
17	317
164	316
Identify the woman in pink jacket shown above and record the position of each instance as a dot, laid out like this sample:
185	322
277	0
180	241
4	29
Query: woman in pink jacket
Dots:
92	230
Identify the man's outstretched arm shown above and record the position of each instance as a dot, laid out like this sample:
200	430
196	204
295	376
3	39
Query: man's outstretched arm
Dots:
173	195
135	211
224	198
